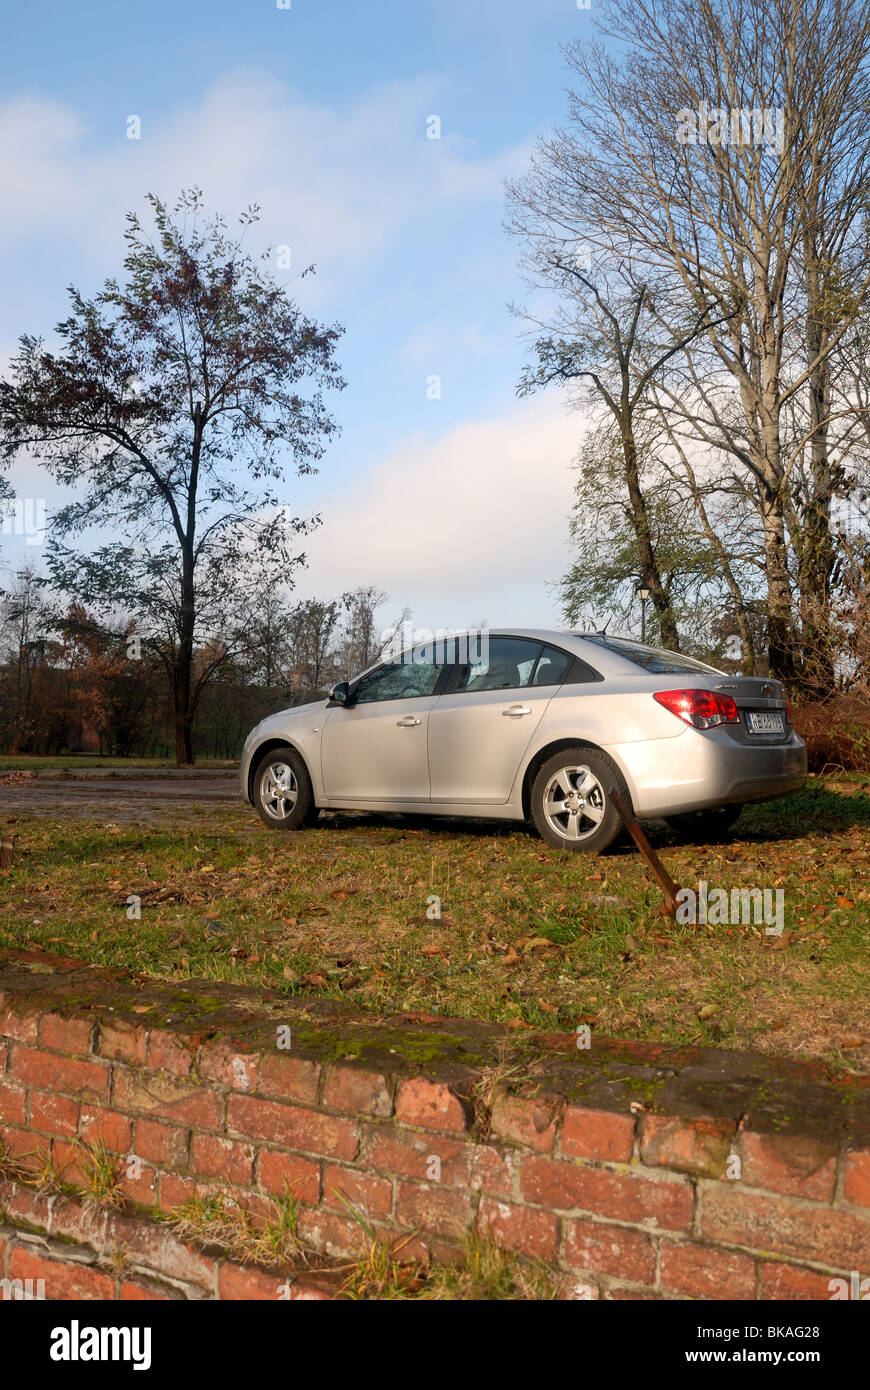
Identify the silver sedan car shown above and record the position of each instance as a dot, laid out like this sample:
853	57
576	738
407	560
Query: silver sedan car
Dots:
533	726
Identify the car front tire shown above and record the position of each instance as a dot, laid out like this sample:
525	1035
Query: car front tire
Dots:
570	802
282	792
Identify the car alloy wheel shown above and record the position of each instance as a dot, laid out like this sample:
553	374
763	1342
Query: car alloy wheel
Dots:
574	803
280	791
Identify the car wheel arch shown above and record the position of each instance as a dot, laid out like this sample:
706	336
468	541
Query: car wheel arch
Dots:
263	750
549	750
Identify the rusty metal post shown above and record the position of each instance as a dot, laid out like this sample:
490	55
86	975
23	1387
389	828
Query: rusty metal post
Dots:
657	868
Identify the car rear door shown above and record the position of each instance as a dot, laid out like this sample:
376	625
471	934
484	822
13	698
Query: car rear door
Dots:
479	731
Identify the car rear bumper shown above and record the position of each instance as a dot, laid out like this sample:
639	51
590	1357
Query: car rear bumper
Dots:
705	768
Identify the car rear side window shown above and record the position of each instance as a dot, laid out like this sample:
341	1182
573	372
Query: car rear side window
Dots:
507	663
652	659
552	667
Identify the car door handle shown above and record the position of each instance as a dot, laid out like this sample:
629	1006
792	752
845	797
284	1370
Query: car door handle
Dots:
408	722
515	711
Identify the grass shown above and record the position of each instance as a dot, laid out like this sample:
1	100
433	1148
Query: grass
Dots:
218	1219
527	935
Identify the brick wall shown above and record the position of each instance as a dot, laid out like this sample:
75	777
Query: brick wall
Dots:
638	1171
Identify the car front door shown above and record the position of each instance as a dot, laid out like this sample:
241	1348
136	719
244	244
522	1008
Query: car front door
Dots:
375	747
479	732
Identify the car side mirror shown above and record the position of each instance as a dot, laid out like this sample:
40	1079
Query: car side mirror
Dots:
340	694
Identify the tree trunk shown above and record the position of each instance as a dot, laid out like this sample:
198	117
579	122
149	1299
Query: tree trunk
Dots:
650	572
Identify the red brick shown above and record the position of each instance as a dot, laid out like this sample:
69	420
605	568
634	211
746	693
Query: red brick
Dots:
173	1191
430	1104
293	1127
698	1271
223	1158
529	1122
72	1163
76	1221
168	1052
149	1243
610	1250
437	1211
159	1094
228	1067
122	1041
60	1074
310	1291
785	1226
669	1203
53	1114
513	1227
12	1106
700	1146
782	1282
114	1130
330	1233
281	1076
597	1135
621	1293
66	1034
482	1167
65	1280
20	1142
857	1183
21	1026
288	1173
24	1206
357	1092
796	1166
139	1187
133	1292
167	1145
244	1282
371	1195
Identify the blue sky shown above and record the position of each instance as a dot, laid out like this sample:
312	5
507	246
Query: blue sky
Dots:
455	506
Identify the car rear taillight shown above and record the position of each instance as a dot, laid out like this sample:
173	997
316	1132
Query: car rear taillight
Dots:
788	713
703	709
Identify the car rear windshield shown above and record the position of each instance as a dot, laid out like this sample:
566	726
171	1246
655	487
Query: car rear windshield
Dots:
652	659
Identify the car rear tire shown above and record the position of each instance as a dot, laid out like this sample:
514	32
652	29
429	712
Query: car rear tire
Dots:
570	802
708	825
282	792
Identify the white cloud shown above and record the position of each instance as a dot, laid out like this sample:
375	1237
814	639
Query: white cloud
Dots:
470	526
335	185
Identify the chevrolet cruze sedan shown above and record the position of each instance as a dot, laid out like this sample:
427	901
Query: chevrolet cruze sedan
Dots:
531	726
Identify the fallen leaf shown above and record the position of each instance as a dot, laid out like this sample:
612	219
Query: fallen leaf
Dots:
708	1010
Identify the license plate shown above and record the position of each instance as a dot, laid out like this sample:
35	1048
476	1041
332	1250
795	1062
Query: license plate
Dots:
765	722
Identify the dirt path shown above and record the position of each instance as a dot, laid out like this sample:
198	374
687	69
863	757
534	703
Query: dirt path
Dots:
128	798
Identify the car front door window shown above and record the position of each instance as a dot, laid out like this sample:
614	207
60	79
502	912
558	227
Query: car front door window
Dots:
397	680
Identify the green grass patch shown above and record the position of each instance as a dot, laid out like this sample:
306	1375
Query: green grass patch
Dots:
528	935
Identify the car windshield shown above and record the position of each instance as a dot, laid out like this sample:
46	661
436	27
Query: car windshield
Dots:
653	659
